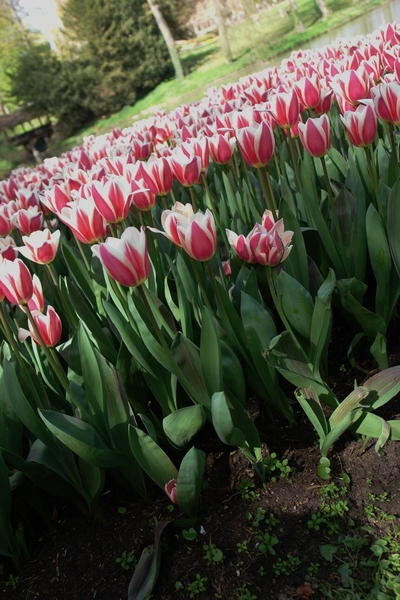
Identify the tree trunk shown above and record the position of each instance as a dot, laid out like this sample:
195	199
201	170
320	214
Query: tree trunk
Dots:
222	31
169	40
322	7
298	23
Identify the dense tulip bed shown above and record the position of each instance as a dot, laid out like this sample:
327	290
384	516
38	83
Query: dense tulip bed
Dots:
152	276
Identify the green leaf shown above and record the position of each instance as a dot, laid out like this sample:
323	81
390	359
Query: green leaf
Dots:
327	551
93	479
234	382
370	322
379	351
79	272
296	302
393	225
82	439
321	323
382	387
324	470
380	258
210	353
223	421
309	401
190	476
183	424
151	457
145	576
188	369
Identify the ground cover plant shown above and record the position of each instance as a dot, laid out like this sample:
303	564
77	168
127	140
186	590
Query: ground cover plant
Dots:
165	284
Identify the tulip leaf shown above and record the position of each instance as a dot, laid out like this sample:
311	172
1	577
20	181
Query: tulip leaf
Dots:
82	439
343	418
233	377
393	225
379	351
183	424
296	262
210	353
234	426
188	369
86	315
79	273
380	258
382	387
292	363
151	457
370	322
146	572
190	476
182	311
296	302
309	402
93	479
321	324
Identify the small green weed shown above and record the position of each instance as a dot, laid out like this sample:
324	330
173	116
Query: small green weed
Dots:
243	593
275	468
12	581
126	560
246	491
197	586
242	547
189	534
286	567
212	554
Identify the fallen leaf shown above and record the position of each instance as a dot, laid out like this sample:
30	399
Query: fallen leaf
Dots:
305	591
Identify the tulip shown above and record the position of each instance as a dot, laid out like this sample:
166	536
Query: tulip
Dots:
15	281
49	327
221	148
41	246
142	197
270	248
171	219
198	237
6	211
308	91
257	144
28	220
241	246
386	97
170	490
315	135
83	218
37	300
361	125
353	85
56	199
8	248
285	108
157	175
112	198
126	259
186	170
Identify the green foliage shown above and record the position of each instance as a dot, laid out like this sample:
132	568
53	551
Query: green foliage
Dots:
197	586
212	554
126	560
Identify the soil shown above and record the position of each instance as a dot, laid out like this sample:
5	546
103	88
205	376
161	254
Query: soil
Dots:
75	559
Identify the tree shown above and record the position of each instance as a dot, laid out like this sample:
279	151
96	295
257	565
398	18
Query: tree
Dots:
168	38
322	8
122	46
222	31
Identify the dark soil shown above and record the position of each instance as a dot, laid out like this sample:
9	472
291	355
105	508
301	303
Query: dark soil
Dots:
76	558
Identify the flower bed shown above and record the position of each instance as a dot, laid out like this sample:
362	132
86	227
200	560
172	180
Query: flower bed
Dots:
173	268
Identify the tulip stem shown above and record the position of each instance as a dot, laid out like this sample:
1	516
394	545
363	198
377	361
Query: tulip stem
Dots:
295	165
263	176
55	364
70	314
332	205
214	210
10	336
201	286
193	199
85	260
152	317
226	169
374	178
389	128
113	230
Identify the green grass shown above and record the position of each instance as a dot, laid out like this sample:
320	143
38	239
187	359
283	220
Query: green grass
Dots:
252	45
